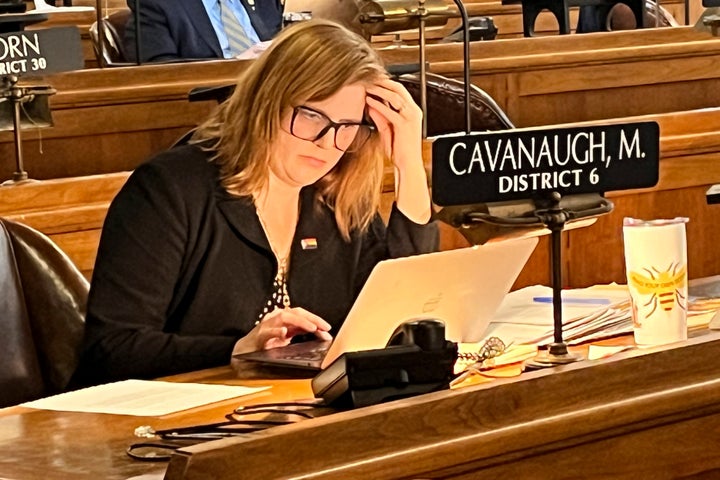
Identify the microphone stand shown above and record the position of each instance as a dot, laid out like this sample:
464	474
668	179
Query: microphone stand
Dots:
136	19
466	60
20	97
552	214
99	7
16	95
422	13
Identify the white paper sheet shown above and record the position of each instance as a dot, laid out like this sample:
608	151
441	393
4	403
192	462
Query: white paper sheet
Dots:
141	397
42	6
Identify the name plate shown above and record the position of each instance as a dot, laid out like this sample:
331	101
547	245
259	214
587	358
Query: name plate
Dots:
39	52
529	163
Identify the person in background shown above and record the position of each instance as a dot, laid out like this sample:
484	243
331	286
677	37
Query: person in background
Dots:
199	29
266	225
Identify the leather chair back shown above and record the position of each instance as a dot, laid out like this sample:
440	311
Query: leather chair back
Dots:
446	105
43	310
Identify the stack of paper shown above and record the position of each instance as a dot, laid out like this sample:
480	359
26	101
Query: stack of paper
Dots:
588	314
526	315
602	323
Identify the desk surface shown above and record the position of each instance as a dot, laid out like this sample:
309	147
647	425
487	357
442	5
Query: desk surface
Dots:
43	444
36	444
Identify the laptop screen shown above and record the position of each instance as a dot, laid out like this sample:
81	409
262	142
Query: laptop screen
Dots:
463	288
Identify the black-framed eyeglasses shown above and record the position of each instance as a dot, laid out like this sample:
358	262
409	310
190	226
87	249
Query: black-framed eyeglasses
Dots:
309	124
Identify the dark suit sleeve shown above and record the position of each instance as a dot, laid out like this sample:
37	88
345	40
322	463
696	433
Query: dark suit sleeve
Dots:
156	40
140	258
405	237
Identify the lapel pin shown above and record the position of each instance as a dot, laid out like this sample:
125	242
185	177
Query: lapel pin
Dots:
308	243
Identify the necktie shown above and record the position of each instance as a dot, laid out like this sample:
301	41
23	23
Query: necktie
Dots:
239	42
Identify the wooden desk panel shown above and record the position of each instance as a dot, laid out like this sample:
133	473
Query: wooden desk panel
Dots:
70	211
635	415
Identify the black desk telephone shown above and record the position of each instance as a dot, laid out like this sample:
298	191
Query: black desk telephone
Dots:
416	360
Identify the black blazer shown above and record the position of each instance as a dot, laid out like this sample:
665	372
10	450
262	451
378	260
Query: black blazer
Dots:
184	269
181	29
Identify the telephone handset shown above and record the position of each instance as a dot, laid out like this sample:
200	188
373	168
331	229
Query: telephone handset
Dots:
428	334
418	359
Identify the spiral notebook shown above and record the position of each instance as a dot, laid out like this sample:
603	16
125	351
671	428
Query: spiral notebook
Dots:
462	287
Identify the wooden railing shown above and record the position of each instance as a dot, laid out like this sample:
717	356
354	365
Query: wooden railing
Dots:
71	210
112	119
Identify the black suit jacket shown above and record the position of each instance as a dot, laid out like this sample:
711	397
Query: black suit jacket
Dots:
184	269
181	29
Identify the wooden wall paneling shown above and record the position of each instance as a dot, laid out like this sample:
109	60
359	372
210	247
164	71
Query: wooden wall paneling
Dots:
113	119
71	211
595	254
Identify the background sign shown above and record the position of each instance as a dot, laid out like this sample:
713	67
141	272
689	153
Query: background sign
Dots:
39	52
527	163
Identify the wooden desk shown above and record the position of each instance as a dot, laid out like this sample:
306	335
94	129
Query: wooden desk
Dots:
638	414
113	119
47	445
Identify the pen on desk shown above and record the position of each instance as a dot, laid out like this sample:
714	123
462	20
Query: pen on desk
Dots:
579	300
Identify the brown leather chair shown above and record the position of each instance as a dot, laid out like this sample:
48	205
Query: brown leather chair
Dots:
42	308
113	34
446	105
620	17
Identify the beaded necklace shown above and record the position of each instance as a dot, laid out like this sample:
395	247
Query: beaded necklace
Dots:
280	297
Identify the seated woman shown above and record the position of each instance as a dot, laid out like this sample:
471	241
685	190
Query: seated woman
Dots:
266	225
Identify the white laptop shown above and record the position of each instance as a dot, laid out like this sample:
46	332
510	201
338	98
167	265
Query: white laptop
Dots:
462	287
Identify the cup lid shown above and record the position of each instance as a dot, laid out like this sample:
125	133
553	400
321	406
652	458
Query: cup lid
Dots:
635	222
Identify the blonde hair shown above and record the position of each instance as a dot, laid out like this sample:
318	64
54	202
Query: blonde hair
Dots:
309	61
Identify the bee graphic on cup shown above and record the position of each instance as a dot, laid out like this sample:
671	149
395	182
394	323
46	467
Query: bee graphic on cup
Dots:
663	286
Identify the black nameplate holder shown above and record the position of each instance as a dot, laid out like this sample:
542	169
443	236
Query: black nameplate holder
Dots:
541	178
32	53
532	163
